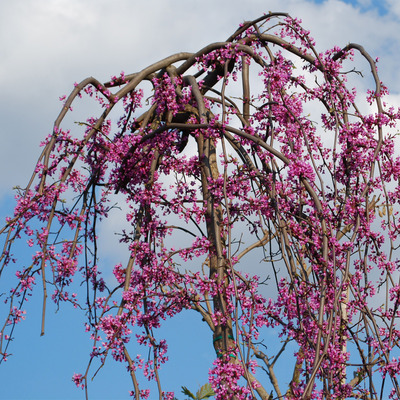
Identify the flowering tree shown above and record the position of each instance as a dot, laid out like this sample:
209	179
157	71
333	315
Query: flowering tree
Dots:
280	185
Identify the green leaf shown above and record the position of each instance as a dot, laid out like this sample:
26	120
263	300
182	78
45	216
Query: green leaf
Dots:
186	391
205	392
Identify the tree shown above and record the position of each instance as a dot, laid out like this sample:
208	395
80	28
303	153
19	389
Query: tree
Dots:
252	151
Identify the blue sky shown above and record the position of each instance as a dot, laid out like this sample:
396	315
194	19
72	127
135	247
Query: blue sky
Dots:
383	7
47	45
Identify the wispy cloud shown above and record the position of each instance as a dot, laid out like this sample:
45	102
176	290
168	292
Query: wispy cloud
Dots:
47	46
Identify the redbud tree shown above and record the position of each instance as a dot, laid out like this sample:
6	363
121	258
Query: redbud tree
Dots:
257	189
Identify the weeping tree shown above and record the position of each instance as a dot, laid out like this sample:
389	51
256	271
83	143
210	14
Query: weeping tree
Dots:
257	189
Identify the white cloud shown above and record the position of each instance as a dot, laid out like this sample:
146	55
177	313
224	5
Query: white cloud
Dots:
394	7
46	46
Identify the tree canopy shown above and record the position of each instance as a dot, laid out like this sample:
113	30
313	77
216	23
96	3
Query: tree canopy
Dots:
257	189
